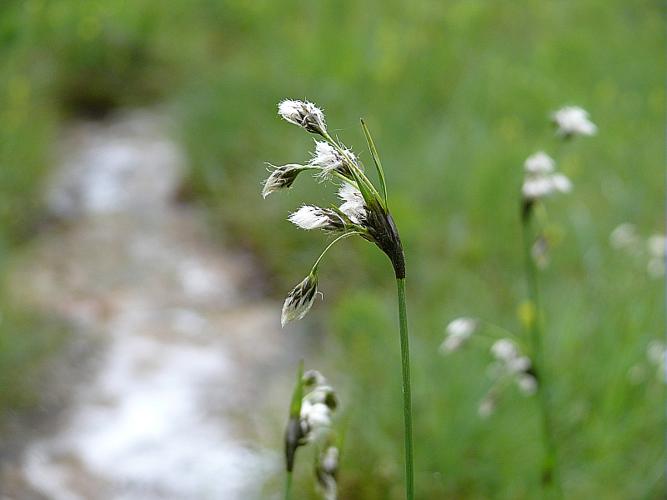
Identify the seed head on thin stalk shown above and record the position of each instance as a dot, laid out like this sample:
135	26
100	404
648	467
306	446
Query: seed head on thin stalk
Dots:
572	121
282	177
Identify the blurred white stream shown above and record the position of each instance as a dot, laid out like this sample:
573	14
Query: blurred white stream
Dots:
170	406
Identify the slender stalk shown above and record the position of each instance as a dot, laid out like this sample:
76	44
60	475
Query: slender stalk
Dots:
328	247
407	398
288	486
550	479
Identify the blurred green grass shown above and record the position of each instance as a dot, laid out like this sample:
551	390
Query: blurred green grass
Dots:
457	94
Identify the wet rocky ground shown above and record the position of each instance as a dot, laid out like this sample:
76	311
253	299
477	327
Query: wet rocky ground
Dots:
162	391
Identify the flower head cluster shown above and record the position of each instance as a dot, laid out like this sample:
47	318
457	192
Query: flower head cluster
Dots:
541	179
457	333
509	366
311	414
363	210
510	362
573	120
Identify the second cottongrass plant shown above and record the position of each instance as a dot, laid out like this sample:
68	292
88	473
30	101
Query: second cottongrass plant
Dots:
364	212
310	421
516	360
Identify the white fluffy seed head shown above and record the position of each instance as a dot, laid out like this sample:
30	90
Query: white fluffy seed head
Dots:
527	384
539	163
487	406
541	185
281	178
504	350
573	120
299	300
328	159
309	217
624	236
304	114
458	331
655	352
463	327
657	245
518	364
353	203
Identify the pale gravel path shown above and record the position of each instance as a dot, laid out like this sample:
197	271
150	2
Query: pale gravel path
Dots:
185	353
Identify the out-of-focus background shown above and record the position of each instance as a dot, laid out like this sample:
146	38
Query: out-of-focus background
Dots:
141	354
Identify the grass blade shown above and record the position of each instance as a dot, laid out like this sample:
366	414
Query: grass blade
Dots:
376	159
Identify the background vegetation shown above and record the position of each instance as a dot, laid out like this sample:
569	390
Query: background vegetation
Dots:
457	94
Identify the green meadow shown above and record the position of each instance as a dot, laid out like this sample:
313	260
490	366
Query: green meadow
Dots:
457	94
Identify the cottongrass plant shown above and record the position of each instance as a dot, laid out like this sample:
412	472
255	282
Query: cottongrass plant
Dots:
364	212
542	181
524	364
311	422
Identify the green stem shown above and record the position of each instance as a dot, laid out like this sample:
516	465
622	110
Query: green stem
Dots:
288	486
550	479
407	398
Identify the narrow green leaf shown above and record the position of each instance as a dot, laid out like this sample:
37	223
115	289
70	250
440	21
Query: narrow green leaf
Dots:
297	395
376	159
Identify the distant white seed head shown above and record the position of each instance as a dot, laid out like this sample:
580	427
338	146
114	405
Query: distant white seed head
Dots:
310	217
541	185
657	244
458	331
624	236
504	350
539	163
573	120
656	351
304	114
299	300
527	384
451	343
353	203
519	364
463	326
487	406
